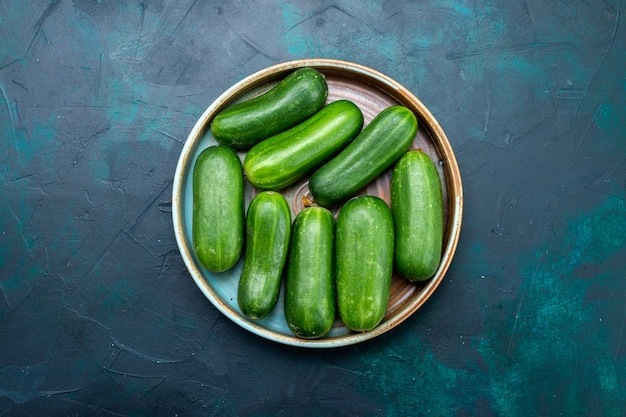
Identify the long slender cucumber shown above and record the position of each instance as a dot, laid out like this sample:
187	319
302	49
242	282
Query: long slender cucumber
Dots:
218	208
417	207
364	259
290	155
295	98
310	281
376	148
268	230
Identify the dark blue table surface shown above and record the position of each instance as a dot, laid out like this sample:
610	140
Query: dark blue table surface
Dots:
99	316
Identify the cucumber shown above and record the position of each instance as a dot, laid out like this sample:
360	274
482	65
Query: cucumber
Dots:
376	148
218	208
364	261
290	155
310	282
417	207
268	230
299	95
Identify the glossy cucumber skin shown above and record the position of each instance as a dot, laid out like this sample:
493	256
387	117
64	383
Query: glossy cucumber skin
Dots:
417	207
364	261
299	95
285	158
310	282
268	230
218	208
376	148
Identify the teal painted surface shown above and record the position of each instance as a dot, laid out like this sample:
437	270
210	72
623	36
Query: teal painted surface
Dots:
557	325
551	350
98	314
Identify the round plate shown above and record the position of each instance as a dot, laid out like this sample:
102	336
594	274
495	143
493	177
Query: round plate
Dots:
372	92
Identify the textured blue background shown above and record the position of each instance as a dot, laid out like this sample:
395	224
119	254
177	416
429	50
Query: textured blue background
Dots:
98	315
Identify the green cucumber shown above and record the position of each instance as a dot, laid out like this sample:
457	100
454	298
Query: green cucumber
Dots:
268	230
299	95
364	261
310	282
218	208
417	207
285	158
376	148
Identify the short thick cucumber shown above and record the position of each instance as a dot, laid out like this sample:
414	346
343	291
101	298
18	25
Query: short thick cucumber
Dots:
310	282
417	207
218	208
364	261
295	98
268	230
376	148
290	155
